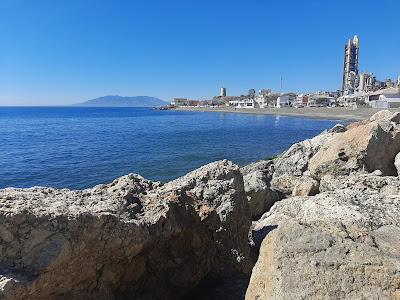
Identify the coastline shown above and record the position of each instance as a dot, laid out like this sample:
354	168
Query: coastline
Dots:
332	113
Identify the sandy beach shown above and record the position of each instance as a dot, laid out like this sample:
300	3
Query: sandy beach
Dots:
340	113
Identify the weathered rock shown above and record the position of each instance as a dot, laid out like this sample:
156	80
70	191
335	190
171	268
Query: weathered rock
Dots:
257	177
397	163
259	193
377	173
382	115
265	166
387	185
291	185
386	116
367	147
337	128
295	160
129	239
294	163
335	245
307	186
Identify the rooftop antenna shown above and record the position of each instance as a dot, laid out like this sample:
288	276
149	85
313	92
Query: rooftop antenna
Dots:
281	83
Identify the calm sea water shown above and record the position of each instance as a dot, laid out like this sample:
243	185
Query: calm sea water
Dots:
80	147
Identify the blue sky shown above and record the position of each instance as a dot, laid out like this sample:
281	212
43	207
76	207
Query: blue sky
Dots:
60	52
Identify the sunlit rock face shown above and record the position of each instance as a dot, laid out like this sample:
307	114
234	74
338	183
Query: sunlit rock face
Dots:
132	238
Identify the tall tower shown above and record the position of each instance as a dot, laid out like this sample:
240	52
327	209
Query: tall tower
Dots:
223	92
350	66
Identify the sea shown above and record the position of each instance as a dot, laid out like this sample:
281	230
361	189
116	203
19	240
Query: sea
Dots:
77	148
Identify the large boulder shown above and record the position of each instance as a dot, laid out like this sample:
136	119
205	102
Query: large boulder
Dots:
370	182
257	185
290	185
296	159
366	147
307	186
131	239
335	245
294	163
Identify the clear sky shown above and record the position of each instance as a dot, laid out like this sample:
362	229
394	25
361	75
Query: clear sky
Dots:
60	52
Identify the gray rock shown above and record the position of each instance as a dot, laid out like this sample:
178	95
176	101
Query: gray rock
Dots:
295	160
259	193
397	163
306	186
365	147
386	185
385	115
377	173
132	238
335	245
257	177
291	185
294	163
265	166
337	128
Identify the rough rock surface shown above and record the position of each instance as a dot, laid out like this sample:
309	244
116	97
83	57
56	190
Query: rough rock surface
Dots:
342	243
397	163
295	160
291	185
265	166
366	147
257	185
337	128
387	185
129	239
307	186
294	163
335	245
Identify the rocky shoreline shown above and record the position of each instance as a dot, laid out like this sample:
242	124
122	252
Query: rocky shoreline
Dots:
321	221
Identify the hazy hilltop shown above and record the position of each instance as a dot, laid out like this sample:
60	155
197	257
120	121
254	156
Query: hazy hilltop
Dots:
120	101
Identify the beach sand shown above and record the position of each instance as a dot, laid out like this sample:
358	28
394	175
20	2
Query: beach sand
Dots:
333	113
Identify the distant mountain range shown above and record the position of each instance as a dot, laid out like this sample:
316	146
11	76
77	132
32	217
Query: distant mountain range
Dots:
120	101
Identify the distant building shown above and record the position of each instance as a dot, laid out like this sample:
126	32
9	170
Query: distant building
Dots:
223	92
301	101
367	82
243	103
385	98
350	66
320	100
285	100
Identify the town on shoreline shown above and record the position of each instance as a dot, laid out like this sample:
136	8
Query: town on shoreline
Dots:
359	92
331	113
